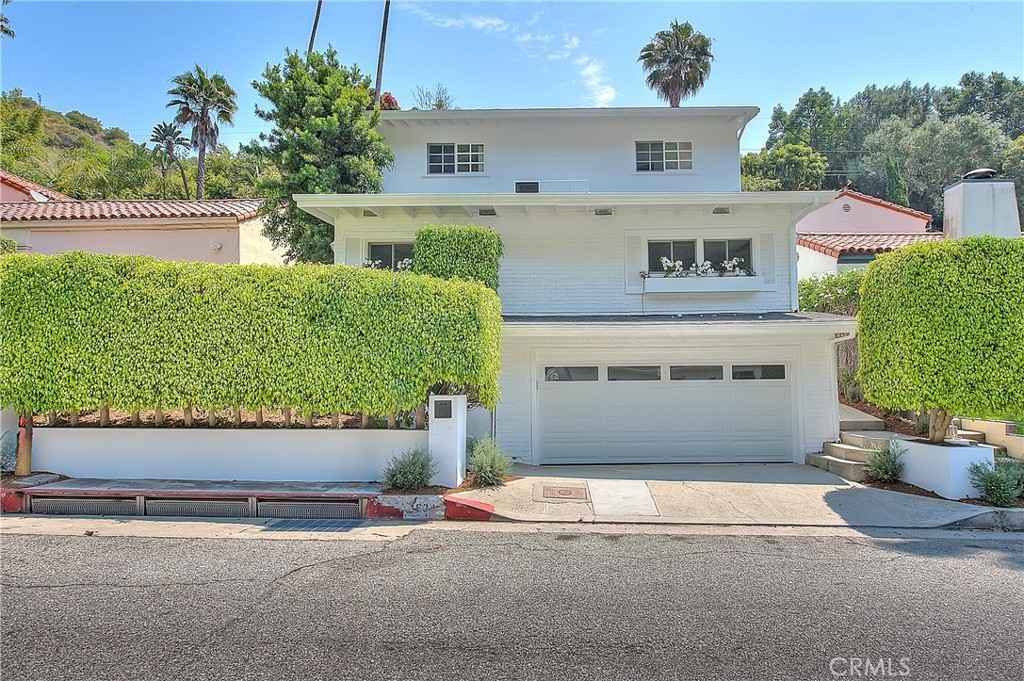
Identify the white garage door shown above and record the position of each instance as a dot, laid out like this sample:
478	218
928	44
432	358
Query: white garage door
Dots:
673	412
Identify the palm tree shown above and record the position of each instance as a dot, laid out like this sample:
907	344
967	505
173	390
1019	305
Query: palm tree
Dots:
380	58
204	102
316	22
677	62
5	24
168	140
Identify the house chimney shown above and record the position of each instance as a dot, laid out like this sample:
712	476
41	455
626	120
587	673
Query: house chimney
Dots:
980	203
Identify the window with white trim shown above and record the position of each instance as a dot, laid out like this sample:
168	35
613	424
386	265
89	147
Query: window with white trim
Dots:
396	256
452	158
695	251
659	156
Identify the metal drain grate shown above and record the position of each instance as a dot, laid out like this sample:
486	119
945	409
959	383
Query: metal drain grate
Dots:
312	525
199	508
309	509
564	492
63	506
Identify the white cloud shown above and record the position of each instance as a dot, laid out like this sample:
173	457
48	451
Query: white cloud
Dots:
487	24
592	73
527	37
569	45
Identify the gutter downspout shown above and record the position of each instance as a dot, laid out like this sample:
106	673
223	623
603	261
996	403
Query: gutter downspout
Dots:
834	376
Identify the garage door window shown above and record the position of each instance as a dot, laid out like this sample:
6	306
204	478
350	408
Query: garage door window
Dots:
570	373
756	372
701	372
634	373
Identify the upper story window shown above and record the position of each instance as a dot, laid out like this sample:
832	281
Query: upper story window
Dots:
659	156
451	158
389	256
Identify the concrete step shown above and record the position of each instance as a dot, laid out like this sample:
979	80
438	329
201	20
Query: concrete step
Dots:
846	452
848	470
974	435
997	450
866	439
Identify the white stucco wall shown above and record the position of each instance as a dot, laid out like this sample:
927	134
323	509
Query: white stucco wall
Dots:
811	356
220	454
812	263
256	249
599	150
573	262
974	207
862	218
167	242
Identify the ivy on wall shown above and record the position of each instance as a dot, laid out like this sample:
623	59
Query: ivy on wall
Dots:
82	331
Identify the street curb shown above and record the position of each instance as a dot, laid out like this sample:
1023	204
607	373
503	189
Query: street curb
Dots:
460	508
1008	519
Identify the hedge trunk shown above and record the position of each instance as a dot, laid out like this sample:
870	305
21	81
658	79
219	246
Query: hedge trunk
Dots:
23	461
938	424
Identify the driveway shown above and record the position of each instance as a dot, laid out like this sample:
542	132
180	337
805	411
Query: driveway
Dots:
711	494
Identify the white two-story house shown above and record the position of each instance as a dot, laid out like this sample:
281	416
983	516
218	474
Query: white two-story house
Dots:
599	363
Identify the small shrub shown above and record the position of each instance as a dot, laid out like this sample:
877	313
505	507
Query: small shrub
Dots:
997	485
1012	468
412	469
7	245
832	293
923	423
488	464
885	465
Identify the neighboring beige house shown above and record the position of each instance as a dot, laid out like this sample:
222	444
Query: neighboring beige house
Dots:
219	231
16	188
849	232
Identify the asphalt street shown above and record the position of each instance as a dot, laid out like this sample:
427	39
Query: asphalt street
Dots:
513	605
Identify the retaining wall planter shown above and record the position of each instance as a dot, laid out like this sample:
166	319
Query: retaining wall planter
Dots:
998	433
942	470
292	455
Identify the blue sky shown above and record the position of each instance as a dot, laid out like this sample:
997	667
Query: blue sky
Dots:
113	60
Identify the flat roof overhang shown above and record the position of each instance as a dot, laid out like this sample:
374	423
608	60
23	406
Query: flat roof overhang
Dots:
724	324
329	207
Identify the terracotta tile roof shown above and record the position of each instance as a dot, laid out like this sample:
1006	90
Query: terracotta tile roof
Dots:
867	198
836	244
27	186
240	209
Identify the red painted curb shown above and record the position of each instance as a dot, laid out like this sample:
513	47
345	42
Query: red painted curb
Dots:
458	508
10	501
378	511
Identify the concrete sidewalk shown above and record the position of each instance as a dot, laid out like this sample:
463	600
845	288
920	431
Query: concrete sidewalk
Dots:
712	494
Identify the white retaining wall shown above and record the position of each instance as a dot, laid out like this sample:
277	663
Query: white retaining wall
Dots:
223	454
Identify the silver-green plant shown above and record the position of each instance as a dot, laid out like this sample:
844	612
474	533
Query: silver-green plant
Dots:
885	465
412	469
488	464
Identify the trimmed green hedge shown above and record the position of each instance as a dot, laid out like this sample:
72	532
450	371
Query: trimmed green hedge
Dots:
81	331
7	245
463	251
832	293
941	325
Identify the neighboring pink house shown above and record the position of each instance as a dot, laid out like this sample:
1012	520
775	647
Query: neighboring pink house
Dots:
850	231
219	231
16	188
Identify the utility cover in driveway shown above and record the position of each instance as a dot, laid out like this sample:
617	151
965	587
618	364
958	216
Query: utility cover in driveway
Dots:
565	492
621	497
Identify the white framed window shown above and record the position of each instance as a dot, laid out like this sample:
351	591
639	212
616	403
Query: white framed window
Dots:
391	256
454	158
659	156
694	251
676	251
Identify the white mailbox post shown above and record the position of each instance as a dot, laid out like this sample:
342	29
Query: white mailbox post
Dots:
448	438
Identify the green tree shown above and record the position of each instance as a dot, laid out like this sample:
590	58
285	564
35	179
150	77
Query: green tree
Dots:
677	62
790	167
204	102
323	141
996	97
933	155
895	185
168	140
1013	168
5	24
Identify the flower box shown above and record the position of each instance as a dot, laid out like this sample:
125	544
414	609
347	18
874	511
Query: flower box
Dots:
703	284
